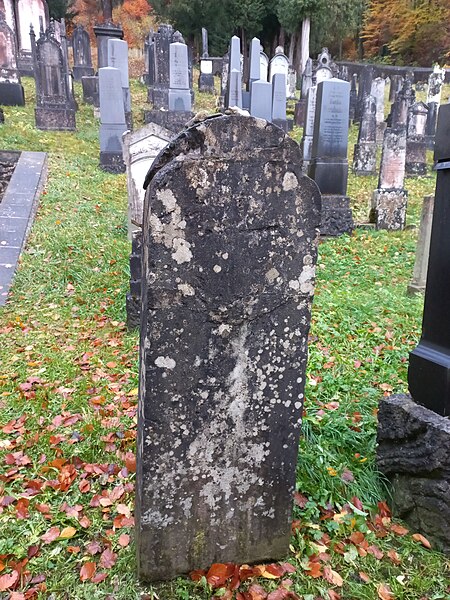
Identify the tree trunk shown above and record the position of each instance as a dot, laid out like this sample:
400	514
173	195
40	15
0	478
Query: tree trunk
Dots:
281	37
306	30
298	55
292	44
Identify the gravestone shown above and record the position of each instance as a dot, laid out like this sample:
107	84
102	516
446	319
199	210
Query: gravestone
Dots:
234	75
300	106
55	108
400	108
11	89
343	73
255	62
227	290
224	76
261	99
308	131
60	27
435	83
389	200
82	58
280	64
419	278
90	90
395	86
263	66
377	91
416	145
324	67
365	153
364	89
112	120
179	91
292	83
329	165
104	32
206	77
279	101
430	129
118	59
429	363
28	13
353	96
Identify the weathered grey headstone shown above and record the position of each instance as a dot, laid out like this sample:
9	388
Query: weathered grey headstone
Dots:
416	144
82	58
280	64
205	50
261	100
234	75
395	86
430	130
389	200
104	32
364	89
179	91
29	13
377	91
292	83
365	153
300	106
324	67
263	66
400	108
435	83
419	278
55	108
228	280
279	101
308	130
11	89
118	59
159	91
206	77
255	62
90	90
112	120
329	165
353	96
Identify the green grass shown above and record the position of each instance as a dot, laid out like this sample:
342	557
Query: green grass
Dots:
69	370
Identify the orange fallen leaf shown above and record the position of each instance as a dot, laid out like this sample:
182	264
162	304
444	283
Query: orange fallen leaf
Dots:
8	580
124	540
384	592
314	569
87	571
399	529
395	558
423	540
364	577
332	576
67	533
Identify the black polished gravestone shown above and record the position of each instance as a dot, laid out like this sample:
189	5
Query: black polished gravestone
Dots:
429	363
228	280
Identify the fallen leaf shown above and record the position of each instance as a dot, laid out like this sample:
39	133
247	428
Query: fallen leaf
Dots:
399	529
219	573
108	558
384	592
87	571
375	551
67	532
51	535
395	558
314	569
332	576
124	540
364	577
256	592
300	500
8	580
423	540
98	577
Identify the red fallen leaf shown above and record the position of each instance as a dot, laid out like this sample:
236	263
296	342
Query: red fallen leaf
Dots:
50	535
8	580
84	521
219	573
296	524
257	592
279	594
357	503
22	508
44	509
423	540
123	509
6	500
332	577
333	595
130	462
246	572
384	592
364	577
124	540
194	575
108	558
93	548
84	486
395	558
17	596
87	571
288	568
399	529
73	549
98	577
384	510
275	570
300	500
32	551
111	365
357	537
66	476
375	551
314	569
38	579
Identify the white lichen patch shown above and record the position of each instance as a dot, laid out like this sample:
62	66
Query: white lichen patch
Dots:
186	289
165	362
272	274
182	251
305	282
217	268
290	181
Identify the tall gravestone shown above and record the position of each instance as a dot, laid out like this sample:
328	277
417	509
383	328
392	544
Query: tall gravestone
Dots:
263	66
29	13
206	77
255	62
435	83
364	89
118	59
416	145
261	100
82	59
377	91
280	64
104	32
159	91
308	130
329	165
112	120
11	89
405	98
365	152
419	277
234	75
279	101
179	91
227	290
389	200
395	86
353	96
300	106
55	108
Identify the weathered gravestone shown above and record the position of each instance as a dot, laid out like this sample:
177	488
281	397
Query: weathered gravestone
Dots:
158	91
11	89
179	91
55	108
353	96
416	144
255	63
308	130
279	101
104	32
389	200
419	277
377	91
118	59
28	13
112	120
263	66
395	86
229	249
82	58
280	64
206	77
364	89
261	99
329	165
233	96
300	106
400	108
365	152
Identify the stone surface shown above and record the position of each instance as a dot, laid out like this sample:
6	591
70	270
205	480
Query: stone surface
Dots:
179	91
112	120
389	208
173	121
435	83
11	89
230	233
82	58
377	91
263	66
364	89
308	131
279	101
365	152
414	454
28	13
261	100
395	87
280	64
416	143
90	90
419	277
255	62
392	167
103	33
206	77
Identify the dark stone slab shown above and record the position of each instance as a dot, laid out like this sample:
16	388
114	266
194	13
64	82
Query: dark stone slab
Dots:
414	453
365	152
103	33
300	112
90	90
82	58
227	288
172	120
336	217
11	94
55	119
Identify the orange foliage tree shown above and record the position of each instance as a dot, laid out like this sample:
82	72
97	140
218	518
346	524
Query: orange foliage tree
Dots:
410	31
136	19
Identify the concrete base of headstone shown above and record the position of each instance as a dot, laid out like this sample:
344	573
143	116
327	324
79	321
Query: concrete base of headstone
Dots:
389	209
112	162
90	90
336	218
172	120
328	174
79	72
381	128
180	101
300	113
365	158
55	119
414	289
206	84
414	454
11	94
158	96
416	157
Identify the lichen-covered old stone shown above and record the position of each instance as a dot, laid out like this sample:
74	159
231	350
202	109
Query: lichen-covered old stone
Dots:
230	237
414	453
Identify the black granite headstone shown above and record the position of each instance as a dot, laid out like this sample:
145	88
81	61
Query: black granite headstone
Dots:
228	280
429	363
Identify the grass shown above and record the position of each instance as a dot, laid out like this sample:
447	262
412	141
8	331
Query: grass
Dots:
68	391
